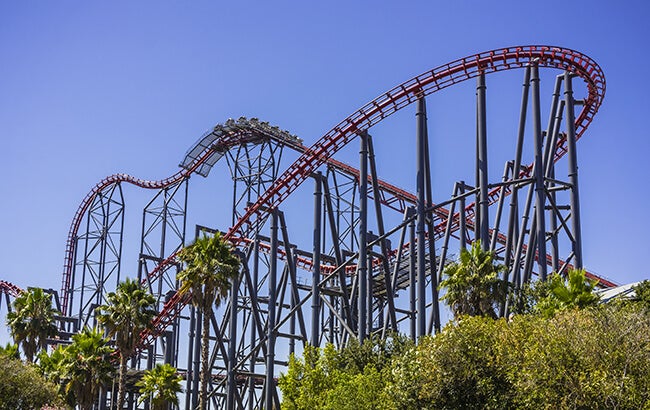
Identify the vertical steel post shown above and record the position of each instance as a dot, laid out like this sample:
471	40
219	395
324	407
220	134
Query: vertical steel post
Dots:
346	311
254	305
573	169
369	290
513	228
507	170
197	357
270	331
462	222
482	158
540	198
232	342
384	247
549	168
421	118
434	319
512	239
412	279
363	240
552	224
316	250
445	242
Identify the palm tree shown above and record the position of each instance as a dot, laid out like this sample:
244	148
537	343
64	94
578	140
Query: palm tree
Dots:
129	311
32	321
211	267
160	386
86	367
574	291
53	367
472	284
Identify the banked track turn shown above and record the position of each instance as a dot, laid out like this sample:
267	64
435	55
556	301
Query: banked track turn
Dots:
369	115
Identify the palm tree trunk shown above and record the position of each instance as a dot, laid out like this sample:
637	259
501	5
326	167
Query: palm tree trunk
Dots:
121	381
205	368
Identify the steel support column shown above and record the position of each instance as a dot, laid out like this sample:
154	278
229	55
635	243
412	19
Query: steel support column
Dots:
540	198
316	251
362	271
573	169
482	159
269	387
232	344
421	118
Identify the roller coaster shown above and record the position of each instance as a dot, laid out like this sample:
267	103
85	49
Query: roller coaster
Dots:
369	259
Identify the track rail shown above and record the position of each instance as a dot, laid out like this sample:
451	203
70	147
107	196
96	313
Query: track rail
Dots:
389	103
422	85
230	134
10	289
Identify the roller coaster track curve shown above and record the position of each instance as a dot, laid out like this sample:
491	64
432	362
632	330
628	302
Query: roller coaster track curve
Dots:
392	101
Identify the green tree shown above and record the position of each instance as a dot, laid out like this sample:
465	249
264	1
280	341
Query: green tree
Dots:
351	378
210	270
53	367
10	351
160	386
574	291
472	283
128	312
642	292
460	368
22	387
578	359
32	321
596	358
87	367
582	359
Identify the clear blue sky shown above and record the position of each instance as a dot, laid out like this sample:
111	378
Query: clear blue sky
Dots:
88	89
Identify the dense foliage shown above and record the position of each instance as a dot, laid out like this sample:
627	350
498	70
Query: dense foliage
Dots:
21	385
593	358
353	378
562	350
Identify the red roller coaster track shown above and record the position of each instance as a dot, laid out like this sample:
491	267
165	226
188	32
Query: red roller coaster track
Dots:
10	288
422	85
370	114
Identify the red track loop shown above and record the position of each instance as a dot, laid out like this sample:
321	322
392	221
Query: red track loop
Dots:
422	85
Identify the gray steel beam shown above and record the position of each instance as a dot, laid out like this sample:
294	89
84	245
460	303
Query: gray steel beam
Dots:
540	197
362	271
382	231
232	339
421	118
346	311
252	292
412	280
434	319
316	251
573	169
269	385
482	161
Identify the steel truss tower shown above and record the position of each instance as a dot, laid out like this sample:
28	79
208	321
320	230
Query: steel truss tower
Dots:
374	253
